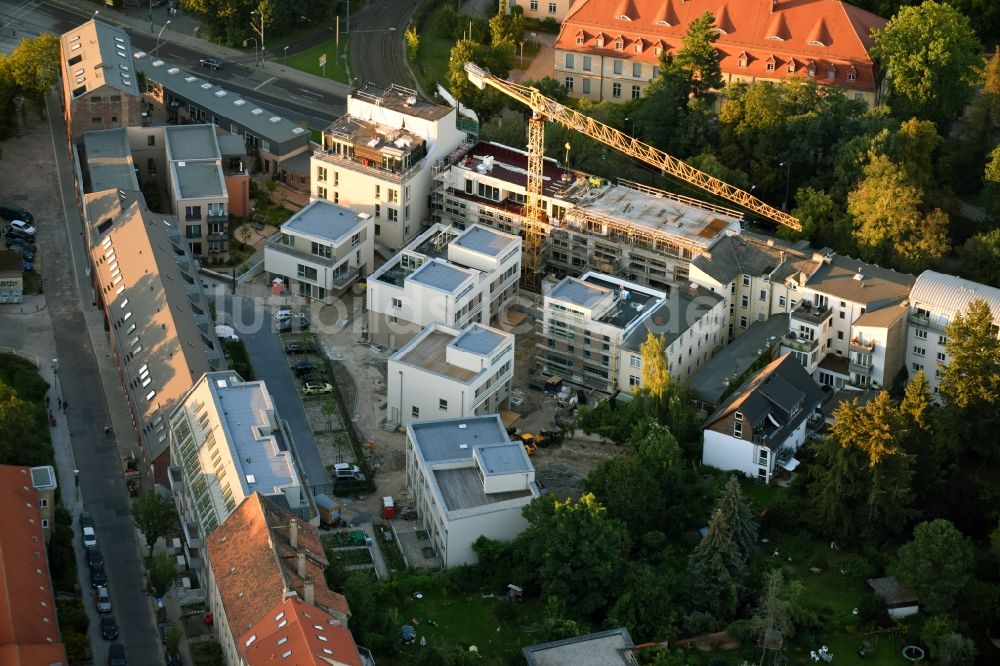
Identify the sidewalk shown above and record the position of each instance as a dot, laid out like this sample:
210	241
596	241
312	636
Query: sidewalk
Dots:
183	30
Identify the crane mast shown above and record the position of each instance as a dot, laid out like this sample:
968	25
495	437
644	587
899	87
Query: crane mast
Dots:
544	108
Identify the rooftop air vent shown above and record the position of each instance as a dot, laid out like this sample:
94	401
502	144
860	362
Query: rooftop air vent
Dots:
257	112
220	93
239	102
275	119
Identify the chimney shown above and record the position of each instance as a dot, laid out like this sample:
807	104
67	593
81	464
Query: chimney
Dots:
293	533
308	592
301	552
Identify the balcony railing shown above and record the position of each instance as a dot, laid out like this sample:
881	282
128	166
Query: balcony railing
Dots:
799	344
276	245
192	534
370	168
859	368
862	346
812	314
218	217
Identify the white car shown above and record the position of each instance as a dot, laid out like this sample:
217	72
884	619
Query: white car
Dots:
23	227
103	599
282	315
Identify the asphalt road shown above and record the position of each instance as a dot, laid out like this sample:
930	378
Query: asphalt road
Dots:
255	326
376	52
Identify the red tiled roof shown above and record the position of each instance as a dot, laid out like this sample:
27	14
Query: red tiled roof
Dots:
29	634
827	32
293	632
254	564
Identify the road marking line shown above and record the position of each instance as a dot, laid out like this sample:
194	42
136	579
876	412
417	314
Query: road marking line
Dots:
309	92
273	78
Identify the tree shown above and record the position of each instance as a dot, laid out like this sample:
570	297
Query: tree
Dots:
936	564
173	640
774	610
931	56
655	375
980	257
667	117
506	27
972	376
154	516
578	551
645	604
17	427
739	517
162	571
497	58
699	58
715	571
823	221
991	184
954	649
412	42
889	226
34	64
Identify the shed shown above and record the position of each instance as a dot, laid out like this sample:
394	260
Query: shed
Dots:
11	277
899	600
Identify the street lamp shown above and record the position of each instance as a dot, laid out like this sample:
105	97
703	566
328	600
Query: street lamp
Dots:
286	54
632	134
259	31
150	16
788	180
254	47
159	35
55	375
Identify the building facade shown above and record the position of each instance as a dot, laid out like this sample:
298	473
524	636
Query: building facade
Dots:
227	442
609	50
375	159
446	275
544	9
467	479
447	373
321	250
99	89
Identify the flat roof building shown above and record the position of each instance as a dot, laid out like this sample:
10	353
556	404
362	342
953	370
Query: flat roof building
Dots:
613	647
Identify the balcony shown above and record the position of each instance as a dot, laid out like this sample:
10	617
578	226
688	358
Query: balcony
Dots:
176	480
192	534
859	345
366	166
856	368
811	314
344	278
792	341
218	217
274	243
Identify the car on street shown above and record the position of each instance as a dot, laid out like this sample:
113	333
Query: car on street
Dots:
103	600
214	63
303	368
317	388
300	323
94	556
109	628
98	577
174	659
11	211
87	530
116	655
21	226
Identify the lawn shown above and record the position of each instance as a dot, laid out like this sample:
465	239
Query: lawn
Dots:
308	60
463	621
32	282
434	51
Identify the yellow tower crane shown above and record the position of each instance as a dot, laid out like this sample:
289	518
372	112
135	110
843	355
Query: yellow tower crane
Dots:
543	109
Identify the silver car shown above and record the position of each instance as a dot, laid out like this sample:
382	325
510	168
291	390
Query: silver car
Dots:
103	598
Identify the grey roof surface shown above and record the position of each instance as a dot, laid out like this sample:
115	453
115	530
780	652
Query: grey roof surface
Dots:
324	219
43	477
440	275
881	317
578	292
104	48
199	180
604	648
440	440
877	287
736	255
947	294
479	339
109	160
192	142
231	145
462	488
892	591
485	241
262	122
672	317
733	360
505	458
769	396
402	100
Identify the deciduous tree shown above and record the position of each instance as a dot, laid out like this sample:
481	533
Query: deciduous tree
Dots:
34	64
162	571
645	605
936	564
655	375
699	57
154	516
824	222
931	57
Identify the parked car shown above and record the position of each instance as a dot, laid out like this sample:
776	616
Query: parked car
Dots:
14	233
116	655
282	315
317	388
11	211
94	556
109	628
304	368
214	63
299	348
22	226
98	577
348	471
174	659
103	599
23	248
87	530
299	323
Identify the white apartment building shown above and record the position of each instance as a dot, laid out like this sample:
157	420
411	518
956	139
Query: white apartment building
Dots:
447	275
692	323
640	233
376	158
934	301
448	373
585	321
321	250
226	443
467	480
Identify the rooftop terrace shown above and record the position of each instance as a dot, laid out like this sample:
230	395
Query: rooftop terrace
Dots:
463	489
429	352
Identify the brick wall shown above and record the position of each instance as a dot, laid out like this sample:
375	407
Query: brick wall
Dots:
103	108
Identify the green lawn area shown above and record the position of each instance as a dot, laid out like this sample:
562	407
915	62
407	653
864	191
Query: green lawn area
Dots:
465	621
32	282
434	51
308	60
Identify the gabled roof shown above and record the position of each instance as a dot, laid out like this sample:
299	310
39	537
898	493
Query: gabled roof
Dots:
825	31
773	402
29	632
96	54
298	633
254	564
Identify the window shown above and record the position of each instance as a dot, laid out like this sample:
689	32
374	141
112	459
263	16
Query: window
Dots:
442	404
378	211
307	272
378	191
356	239
636	92
415	412
616	90
916	367
393	195
942	340
569	83
96	120
781	301
378	229
321	250
96	99
919	351
192	213
770	67
656	71
392	214
489	192
569	60
321	192
746	280
552	8
635	361
636	69
534	5
151	166
763	295
738	425
397	302
44	503
618	67
321	174
585	83
45	523
744	301
192	231
852	76
791	67
634	381
743	322
941	356
151	140
920	334
811	70
587	63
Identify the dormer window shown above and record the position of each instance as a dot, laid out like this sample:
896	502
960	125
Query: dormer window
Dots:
638	46
619	45
815	43
743	59
831	73
852	75
791	67
770	64
599	42
811	70
579	39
